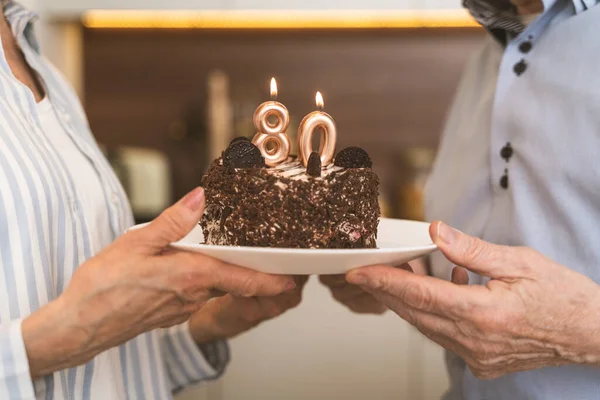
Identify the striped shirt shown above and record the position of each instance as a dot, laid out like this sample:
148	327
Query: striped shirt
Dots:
45	235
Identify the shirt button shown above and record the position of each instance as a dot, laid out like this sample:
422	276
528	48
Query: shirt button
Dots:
520	67
525	47
114	198
507	152
504	180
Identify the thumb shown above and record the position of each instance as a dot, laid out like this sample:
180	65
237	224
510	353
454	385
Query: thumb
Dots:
175	222
475	254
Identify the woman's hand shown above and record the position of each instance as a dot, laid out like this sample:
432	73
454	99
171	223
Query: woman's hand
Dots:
352	296
228	316
134	286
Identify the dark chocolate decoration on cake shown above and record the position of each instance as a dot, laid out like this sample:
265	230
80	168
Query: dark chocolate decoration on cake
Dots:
239	138
353	157
243	154
314	165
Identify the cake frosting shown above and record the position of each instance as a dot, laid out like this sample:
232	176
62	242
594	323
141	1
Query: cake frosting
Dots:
293	169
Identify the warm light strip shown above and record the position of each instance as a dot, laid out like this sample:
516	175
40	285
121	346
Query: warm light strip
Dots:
281	19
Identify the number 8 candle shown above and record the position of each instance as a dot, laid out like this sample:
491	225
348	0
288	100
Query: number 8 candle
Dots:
317	120
273	133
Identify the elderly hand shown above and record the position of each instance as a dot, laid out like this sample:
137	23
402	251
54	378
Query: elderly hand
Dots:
228	316
533	313
356	298
352	296
133	286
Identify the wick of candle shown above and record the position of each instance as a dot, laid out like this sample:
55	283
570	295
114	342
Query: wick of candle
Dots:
320	107
274	97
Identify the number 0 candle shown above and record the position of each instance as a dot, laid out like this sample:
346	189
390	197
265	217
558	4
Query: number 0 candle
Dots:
317	121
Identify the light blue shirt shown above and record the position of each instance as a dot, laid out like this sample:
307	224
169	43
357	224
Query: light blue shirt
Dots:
45	235
550	114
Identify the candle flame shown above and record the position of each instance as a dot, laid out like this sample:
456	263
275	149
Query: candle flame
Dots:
273	88
320	102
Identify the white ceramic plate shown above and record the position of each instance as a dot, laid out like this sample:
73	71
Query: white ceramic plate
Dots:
399	241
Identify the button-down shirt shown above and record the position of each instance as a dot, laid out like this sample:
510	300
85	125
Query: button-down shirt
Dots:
538	96
45	235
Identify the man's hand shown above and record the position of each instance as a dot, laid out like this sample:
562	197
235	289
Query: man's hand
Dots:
356	298
228	316
133	286
533	313
352	296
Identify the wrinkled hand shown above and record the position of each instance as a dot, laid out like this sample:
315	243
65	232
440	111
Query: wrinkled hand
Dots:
533	313
133	286
228	316
352	296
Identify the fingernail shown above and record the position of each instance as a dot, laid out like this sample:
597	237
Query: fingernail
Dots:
356	278
290	286
194	200
446	233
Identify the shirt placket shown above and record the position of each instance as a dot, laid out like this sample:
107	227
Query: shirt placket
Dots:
513	71
110	189
111	197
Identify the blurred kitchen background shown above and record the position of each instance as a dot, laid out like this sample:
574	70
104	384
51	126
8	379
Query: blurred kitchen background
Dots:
166	85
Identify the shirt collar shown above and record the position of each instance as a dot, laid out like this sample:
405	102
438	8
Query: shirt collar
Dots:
497	15
21	21
582	5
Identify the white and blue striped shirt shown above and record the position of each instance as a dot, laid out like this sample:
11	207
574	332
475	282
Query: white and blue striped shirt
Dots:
45	236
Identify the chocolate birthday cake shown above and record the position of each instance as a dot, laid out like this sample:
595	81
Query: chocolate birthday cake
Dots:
297	203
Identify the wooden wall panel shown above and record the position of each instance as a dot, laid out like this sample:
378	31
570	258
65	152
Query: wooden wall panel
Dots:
388	90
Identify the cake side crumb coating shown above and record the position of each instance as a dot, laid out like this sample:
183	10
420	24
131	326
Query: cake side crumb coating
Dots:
256	207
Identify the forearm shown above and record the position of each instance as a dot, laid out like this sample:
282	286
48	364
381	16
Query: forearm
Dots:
52	341
206	329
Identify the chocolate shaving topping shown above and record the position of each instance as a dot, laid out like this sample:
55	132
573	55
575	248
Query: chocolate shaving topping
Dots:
313	168
224	214
339	210
243	154
239	138
353	157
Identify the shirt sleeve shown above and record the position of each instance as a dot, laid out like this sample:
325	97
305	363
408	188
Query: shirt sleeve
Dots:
186	362
15	377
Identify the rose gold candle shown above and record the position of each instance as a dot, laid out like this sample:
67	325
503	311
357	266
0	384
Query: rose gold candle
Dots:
272	132
317	120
